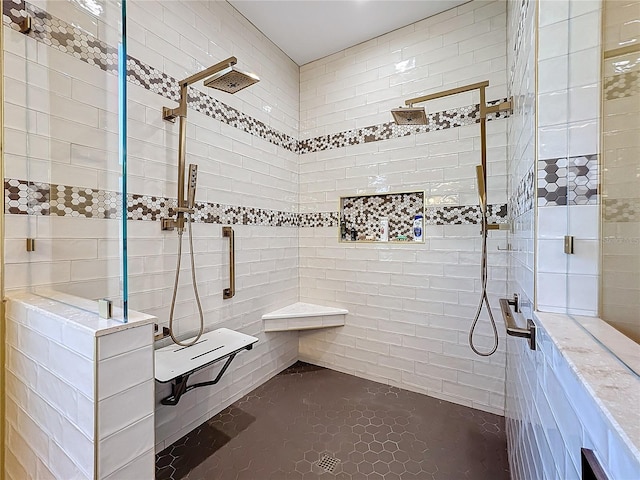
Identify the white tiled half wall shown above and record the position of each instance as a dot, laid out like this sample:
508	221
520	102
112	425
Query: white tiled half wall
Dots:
552	412
75	407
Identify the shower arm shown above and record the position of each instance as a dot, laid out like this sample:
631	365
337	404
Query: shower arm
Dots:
180	111
484	111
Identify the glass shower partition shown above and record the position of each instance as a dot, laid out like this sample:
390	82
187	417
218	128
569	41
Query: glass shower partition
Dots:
620	282
603	214
65	158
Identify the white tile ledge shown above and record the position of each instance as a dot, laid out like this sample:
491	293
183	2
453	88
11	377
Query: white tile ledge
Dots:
301	309
78	311
615	389
303	316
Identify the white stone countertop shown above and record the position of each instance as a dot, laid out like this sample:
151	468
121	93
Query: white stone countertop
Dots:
614	387
79	311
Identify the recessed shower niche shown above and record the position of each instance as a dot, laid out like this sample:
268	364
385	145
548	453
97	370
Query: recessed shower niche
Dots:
389	217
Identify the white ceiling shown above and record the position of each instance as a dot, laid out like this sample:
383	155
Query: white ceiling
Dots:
310	29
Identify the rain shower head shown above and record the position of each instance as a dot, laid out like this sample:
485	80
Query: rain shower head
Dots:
231	80
409	115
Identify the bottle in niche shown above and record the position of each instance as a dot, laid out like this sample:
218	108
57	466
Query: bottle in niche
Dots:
417	228
384	229
343	229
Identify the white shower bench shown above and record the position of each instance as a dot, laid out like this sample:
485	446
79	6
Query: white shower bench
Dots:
175	363
303	316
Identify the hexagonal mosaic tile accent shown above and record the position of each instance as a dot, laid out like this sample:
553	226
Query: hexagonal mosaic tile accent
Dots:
72	40
452	118
23	197
364	213
28	198
568	181
521	201
464	214
287	427
621	85
622	209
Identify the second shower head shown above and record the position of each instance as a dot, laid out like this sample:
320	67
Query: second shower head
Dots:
409	115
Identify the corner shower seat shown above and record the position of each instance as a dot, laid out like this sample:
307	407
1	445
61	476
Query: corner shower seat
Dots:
176	364
303	316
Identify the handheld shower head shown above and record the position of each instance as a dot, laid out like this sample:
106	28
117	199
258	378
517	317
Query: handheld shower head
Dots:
231	80
482	189
191	189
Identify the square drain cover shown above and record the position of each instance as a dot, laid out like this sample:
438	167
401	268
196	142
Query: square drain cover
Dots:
328	463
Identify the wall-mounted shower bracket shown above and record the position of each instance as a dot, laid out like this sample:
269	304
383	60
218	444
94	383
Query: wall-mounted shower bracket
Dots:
497	226
172	223
171	114
168	224
25	25
159	335
501	107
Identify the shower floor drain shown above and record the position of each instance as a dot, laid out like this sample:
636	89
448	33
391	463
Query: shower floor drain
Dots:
328	463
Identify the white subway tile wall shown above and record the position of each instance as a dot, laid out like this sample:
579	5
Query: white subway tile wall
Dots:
568	170
551	411
49	415
410	306
51	404
75	102
117	385
235	168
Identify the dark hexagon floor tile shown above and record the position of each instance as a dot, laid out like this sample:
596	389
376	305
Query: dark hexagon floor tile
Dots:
283	428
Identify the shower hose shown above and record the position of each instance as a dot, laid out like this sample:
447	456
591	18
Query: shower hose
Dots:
484	300
195	286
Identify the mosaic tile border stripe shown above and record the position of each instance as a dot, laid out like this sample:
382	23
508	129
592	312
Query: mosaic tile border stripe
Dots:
621	209
456	117
522	200
82	45
568	181
318	219
365	212
22	198
464	214
621	85
61	35
29	198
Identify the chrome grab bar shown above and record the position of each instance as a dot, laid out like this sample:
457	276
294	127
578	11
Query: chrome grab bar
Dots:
231	291
512	326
